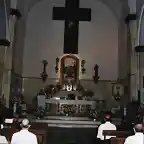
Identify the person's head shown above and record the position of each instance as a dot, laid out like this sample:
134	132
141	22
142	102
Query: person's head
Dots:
138	128
25	124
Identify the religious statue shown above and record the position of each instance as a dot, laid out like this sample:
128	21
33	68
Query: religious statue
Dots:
69	72
70	76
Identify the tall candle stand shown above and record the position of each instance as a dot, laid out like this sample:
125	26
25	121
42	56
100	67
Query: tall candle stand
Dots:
96	74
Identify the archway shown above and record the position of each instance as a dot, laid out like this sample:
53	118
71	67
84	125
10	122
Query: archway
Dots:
141	28
69	68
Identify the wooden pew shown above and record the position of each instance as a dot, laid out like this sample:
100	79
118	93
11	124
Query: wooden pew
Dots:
41	131
120	136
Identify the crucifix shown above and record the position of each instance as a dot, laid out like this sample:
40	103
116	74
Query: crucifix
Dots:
71	14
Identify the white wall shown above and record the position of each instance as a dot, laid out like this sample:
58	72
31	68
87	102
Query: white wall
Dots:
98	40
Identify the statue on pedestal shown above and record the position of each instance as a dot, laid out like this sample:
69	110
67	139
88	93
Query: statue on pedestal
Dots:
69	69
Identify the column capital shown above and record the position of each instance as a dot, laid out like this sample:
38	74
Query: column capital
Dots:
15	12
139	48
4	42
130	17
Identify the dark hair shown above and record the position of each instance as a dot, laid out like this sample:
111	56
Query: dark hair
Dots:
107	119
24	126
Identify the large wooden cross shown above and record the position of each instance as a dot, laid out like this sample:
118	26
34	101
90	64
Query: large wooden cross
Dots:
71	14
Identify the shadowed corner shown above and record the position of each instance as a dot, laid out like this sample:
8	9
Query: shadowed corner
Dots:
72	142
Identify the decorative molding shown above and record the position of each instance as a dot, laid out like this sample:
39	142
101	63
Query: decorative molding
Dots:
15	12
130	17
4	42
139	48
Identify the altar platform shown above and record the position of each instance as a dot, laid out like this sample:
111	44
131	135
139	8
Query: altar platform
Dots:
70	122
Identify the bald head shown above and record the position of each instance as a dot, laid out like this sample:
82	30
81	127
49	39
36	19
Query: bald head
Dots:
25	123
138	128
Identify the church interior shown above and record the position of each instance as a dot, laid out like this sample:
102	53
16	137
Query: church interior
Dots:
55	68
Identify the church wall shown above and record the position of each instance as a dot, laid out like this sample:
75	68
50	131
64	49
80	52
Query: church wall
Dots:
44	40
98	41
97	88
98	44
31	87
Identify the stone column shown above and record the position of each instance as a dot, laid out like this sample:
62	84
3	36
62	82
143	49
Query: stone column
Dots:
132	37
6	82
133	61
4	44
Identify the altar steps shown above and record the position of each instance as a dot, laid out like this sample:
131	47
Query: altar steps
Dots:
70	122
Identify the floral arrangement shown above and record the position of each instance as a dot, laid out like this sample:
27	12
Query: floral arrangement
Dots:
40	113
85	92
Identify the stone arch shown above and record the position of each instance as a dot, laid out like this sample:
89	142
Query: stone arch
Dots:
62	66
140	38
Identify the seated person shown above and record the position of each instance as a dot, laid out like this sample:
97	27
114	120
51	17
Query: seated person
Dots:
138	138
106	126
3	139
24	136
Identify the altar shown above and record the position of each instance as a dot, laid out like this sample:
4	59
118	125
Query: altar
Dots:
63	106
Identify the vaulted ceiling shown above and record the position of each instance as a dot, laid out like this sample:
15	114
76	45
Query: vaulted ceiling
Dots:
115	5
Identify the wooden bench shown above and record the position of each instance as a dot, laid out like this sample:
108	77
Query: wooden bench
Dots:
120	136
